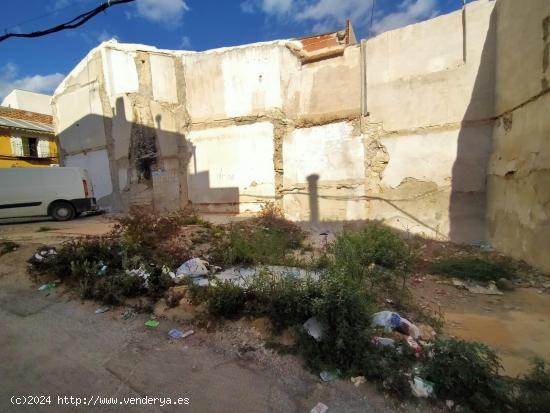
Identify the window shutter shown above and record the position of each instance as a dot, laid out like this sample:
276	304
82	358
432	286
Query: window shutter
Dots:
43	148
16	146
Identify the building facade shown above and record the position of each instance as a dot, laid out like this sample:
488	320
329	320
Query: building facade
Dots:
27	139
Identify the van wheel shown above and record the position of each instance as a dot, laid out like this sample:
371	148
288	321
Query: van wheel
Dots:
63	211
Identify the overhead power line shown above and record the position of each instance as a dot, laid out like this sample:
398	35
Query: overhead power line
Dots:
71	24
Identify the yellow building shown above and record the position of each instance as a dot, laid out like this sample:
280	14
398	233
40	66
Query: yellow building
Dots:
26	139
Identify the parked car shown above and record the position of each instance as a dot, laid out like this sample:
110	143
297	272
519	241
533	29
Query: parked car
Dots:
62	193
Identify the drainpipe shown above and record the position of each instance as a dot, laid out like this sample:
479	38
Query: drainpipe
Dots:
464	31
364	78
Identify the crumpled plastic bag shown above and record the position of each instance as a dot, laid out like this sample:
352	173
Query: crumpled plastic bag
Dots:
195	267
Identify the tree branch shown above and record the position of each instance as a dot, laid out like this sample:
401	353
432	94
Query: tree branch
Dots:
71	24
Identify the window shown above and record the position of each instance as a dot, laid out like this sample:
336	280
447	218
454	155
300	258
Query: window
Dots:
30	147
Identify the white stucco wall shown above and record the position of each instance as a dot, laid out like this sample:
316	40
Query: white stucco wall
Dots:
119	70
163	75
232	83
232	163
329	151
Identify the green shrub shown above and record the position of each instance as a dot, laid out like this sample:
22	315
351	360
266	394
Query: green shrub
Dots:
467	373
344	312
532	391
286	300
257	244
472	268
7	246
226	300
375	244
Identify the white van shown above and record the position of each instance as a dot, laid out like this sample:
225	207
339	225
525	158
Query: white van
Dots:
62	193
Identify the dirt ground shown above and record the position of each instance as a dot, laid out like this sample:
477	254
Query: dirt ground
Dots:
54	344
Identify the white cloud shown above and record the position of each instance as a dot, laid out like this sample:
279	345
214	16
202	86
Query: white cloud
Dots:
270	7
185	43
167	12
104	35
410	11
9	80
331	14
276	6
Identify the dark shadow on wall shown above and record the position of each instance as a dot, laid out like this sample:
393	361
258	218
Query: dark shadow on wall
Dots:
133	164
467	207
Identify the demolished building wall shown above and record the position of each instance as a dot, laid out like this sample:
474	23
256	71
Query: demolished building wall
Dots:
398	128
518	212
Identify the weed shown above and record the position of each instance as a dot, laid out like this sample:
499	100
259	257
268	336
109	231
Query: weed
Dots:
344	313
472	268
532	391
376	244
226	300
7	247
286	300
45	229
468	373
254	243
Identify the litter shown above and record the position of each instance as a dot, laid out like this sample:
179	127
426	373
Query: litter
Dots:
201	281
42	255
357	381
421	387
314	328
188	333
174	333
319	408
411	342
102	271
152	323
195	267
45	287
327	375
383	341
141	273
128	314
450	404
102	310
491	289
393	321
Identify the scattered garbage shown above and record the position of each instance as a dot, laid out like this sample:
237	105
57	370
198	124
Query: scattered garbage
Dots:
141	273
175	333
42	255
201	281
46	287
450	404
458	283
359	380
393	321
383	341
421	387
188	333
314	328
504	284
195	267
128	314
152	323
486	248
103	270
328	375
491	288
411	342
319	408
102	310
241	276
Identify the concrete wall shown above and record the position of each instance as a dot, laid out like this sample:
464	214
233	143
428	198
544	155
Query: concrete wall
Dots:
518	212
26	100
399	128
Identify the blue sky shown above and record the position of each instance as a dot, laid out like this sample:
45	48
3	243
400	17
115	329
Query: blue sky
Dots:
40	64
